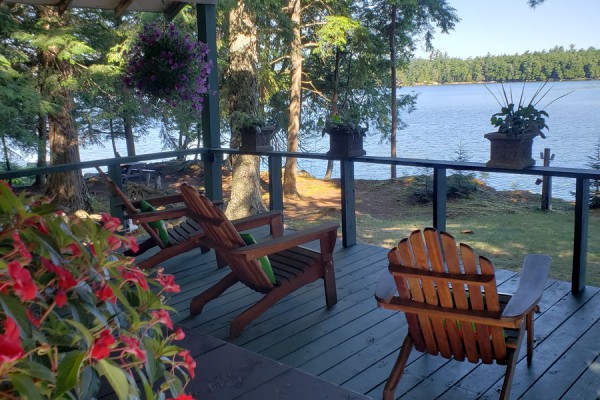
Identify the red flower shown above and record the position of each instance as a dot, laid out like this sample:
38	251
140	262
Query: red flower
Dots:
66	280
135	275
74	249
179	334
162	316
101	346
33	318
183	397
111	223
133	347
10	343
20	247
114	242
60	298
168	283
131	243
188	362
23	285
106	293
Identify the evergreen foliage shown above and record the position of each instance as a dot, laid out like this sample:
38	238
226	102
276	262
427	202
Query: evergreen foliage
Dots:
556	63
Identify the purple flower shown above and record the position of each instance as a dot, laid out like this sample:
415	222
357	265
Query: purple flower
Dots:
169	66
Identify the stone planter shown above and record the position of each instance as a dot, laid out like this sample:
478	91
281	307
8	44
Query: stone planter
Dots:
343	143
257	139
510	151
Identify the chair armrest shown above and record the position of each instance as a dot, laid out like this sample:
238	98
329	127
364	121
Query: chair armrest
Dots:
277	244
531	286
254	221
161	200
151	216
386	287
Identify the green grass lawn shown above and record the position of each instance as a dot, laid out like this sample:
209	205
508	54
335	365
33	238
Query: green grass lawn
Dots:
501	226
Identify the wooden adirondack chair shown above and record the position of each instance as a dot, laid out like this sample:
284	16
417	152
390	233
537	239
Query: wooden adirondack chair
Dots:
183	236
293	266
452	306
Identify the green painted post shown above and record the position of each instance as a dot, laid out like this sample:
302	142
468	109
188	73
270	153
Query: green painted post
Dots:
211	135
439	199
114	173
275	185
582	206
348	203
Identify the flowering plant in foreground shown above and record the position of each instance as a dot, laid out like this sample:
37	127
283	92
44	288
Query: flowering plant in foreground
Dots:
169	66
73	310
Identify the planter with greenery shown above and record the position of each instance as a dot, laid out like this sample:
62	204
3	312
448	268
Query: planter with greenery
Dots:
345	137
518	124
169	67
75	312
255	136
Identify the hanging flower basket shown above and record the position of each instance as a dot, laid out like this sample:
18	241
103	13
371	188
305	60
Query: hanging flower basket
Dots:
168	66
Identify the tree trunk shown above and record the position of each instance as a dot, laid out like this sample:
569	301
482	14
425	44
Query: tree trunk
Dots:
113	140
67	188
394	89
41	180
289	175
129	138
335	97
243	76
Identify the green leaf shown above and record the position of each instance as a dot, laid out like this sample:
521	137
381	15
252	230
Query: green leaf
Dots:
115	376
67	375
25	386
83	330
37	370
14	309
89	384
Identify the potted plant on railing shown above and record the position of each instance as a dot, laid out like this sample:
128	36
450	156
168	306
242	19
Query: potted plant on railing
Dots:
77	318
518	124
254	135
345	137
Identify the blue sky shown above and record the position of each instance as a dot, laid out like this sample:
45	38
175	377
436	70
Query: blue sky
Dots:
511	26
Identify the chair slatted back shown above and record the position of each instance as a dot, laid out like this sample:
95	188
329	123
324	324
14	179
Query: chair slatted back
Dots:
429	268
130	208
222	232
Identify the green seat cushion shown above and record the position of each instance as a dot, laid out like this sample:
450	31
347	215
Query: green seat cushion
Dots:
264	261
158	226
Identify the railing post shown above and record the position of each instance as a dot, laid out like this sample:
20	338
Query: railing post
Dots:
348	203
439	199
275	186
114	173
211	133
582	206
547	182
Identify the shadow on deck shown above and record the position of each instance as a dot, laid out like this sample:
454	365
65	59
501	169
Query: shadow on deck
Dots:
355	344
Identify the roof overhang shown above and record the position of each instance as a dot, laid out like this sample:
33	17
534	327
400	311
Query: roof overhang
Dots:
169	8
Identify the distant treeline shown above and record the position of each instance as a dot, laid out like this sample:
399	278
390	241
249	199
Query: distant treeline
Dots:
557	63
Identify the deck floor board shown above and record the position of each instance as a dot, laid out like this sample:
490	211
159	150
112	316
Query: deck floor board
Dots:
354	344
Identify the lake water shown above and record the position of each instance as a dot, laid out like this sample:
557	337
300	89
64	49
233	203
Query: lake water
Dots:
452	114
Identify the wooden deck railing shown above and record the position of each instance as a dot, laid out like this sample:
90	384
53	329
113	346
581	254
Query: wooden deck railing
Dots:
212	159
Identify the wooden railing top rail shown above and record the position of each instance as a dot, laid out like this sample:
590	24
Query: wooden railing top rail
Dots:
409	162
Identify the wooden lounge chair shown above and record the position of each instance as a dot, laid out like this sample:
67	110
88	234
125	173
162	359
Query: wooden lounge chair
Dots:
452	306
293	266
183	236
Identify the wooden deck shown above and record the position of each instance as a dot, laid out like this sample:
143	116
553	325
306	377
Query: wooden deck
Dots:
354	344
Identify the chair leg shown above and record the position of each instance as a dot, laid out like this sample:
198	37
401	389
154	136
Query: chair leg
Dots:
529	326
329	284
273	296
508	376
220	260
198	302
396	374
